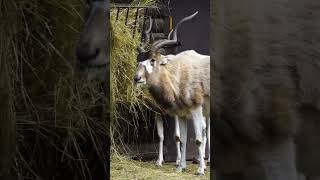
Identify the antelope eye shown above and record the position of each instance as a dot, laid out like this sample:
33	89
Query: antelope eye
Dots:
152	62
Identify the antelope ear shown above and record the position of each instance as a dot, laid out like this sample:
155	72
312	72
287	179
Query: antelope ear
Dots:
165	59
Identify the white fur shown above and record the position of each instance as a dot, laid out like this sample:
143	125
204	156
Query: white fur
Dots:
196	114
147	65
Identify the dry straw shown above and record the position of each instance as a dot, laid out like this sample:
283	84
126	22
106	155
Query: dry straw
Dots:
60	127
131	106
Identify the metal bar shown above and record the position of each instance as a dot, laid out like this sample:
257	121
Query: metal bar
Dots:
144	22
135	23
126	22
171	22
118	9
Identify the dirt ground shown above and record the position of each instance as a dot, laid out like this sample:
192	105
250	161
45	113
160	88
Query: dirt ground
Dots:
123	168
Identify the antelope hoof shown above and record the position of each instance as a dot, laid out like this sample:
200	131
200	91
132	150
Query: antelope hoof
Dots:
177	162
159	163
200	172
180	169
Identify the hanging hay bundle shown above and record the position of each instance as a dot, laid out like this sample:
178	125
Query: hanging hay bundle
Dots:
131	107
60	125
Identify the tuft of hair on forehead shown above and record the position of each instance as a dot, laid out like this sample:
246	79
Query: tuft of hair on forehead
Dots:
143	56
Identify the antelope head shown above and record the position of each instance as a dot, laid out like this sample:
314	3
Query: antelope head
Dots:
149	62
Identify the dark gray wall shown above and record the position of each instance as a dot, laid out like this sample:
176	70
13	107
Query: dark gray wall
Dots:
193	34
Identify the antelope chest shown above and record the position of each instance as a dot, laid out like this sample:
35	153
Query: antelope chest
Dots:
174	104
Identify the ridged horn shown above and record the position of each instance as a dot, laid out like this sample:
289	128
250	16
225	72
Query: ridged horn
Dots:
146	37
174	33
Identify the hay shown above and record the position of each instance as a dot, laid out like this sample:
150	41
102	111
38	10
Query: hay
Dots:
130	106
124	168
61	132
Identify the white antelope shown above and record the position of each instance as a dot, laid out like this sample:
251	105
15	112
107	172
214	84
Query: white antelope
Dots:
180	84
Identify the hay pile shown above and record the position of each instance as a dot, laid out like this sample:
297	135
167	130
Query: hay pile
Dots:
131	106
60	120
126	168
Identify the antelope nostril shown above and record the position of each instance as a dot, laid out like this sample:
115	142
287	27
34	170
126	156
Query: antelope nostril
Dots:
85	55
137	78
